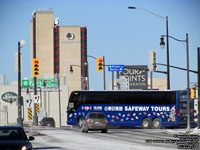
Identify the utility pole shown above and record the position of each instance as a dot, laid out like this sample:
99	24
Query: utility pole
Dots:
188	86
167	35
198	77
168	71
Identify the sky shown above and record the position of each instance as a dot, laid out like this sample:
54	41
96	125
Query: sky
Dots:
122	35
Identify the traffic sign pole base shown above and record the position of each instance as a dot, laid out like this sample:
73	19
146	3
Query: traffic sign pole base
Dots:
35	120
20	122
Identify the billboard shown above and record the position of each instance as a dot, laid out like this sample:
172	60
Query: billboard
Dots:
137	76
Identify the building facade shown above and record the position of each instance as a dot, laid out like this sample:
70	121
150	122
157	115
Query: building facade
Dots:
49	105
59	48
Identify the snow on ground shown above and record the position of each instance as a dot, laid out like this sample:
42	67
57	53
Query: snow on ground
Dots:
195	131
71	140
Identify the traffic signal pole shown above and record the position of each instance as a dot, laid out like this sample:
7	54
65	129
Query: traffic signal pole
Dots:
104	73
19	119
35	117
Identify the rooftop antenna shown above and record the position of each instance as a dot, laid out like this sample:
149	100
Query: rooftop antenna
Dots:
33	13
56	22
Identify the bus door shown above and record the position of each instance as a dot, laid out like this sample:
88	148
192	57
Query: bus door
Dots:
182	107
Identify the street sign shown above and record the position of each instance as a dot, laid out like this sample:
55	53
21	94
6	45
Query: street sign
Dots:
115	67
25	83
29	103
37	107
30	113
36	99
49	82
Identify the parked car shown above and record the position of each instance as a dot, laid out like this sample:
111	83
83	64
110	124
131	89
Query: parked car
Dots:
14	138
48	121
95	121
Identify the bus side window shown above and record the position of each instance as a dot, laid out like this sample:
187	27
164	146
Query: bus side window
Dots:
170	98
157	98
83	99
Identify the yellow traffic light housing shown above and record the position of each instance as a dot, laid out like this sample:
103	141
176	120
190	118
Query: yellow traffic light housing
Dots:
99	61
35	67
192	93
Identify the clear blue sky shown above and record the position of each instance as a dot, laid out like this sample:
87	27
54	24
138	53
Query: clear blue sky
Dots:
123	36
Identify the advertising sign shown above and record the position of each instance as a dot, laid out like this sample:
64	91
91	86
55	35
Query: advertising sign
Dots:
9	97
136	75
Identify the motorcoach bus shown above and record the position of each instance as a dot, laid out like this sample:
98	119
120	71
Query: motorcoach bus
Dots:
145	108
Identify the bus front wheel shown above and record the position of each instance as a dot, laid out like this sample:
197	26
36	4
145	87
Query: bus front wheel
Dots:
146	123
80	122
156	123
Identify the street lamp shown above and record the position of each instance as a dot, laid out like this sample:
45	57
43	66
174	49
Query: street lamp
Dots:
19	119
71	69
162	44
165	19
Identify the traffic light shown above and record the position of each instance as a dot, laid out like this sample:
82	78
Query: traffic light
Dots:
192	93
152	61
35	67
99	61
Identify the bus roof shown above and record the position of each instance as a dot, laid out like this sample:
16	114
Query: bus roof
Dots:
113	91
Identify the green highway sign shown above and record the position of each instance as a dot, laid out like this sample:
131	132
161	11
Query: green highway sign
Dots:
50	82
25	83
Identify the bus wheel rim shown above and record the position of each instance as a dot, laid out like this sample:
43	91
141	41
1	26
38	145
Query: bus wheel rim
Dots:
156	124
145	123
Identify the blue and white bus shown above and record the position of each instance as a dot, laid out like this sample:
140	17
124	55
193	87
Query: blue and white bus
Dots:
147	109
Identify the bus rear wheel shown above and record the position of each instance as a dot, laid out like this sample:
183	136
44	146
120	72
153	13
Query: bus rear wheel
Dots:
156	123
146	123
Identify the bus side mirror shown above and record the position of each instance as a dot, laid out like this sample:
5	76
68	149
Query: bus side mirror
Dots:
67	109
70	109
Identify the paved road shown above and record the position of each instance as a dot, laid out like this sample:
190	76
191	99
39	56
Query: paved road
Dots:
116	139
